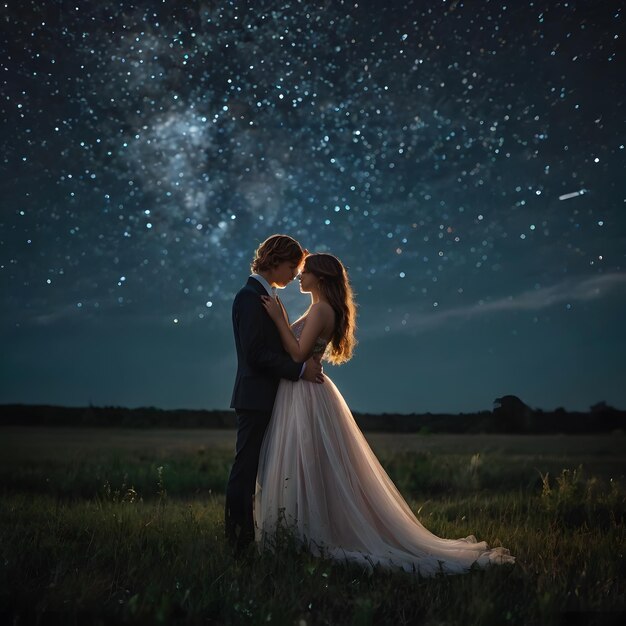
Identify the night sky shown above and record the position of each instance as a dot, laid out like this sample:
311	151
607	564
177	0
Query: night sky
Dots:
465	160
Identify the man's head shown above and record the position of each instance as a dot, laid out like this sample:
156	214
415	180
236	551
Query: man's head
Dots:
278	259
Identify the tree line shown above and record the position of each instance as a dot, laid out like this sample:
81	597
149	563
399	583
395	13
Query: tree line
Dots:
510	415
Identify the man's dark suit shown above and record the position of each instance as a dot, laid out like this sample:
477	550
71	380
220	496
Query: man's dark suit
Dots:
261	363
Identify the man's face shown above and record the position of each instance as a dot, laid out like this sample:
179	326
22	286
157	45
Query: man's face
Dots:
284	273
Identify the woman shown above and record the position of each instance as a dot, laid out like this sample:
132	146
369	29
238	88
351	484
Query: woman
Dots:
317	474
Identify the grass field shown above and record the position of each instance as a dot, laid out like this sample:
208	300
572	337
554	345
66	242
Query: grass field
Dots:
126	525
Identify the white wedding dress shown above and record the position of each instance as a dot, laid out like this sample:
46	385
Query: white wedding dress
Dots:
319	478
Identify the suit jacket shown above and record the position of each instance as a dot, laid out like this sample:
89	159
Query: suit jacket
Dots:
261	359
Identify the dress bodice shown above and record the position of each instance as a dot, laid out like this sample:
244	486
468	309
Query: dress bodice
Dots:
320	344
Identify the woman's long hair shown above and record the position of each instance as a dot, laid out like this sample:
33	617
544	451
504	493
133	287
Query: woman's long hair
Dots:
335	286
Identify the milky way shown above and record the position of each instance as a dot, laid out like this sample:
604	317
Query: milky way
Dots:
463	159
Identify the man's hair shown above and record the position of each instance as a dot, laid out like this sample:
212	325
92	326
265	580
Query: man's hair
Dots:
276	250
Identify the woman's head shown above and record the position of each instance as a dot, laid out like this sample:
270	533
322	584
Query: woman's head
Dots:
326	273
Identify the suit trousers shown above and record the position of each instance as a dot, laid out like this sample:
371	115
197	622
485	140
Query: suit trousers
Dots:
239	521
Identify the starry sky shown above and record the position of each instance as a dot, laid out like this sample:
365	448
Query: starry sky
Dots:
465	161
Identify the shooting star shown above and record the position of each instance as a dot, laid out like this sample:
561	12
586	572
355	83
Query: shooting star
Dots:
567	196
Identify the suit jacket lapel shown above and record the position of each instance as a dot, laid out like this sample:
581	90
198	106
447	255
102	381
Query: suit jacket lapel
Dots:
282	306
258	287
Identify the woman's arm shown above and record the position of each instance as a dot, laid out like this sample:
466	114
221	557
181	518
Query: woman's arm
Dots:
315	323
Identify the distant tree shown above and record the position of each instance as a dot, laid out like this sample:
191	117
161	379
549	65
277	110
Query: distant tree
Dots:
601	407
89	417
514	415
607	418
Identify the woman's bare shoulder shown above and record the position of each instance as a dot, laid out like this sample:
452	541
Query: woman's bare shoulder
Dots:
323	310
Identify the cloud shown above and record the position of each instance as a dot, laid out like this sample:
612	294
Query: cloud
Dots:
536	299
568	291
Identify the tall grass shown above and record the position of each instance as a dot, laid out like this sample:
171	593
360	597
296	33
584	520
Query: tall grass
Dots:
141	540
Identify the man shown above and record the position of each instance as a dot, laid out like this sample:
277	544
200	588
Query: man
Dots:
261	363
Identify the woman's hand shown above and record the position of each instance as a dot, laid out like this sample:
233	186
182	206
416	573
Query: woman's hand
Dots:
273	308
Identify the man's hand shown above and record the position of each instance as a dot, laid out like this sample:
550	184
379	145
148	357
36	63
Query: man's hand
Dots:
313	371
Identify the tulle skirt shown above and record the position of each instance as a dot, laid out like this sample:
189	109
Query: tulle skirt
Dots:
319	479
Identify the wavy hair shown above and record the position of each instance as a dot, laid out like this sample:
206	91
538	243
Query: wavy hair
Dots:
335	286
276	250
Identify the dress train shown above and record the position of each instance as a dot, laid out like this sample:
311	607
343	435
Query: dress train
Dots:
319	477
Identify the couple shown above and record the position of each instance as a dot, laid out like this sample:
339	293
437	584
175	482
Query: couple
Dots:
301	461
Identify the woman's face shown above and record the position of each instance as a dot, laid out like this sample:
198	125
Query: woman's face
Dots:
308	280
